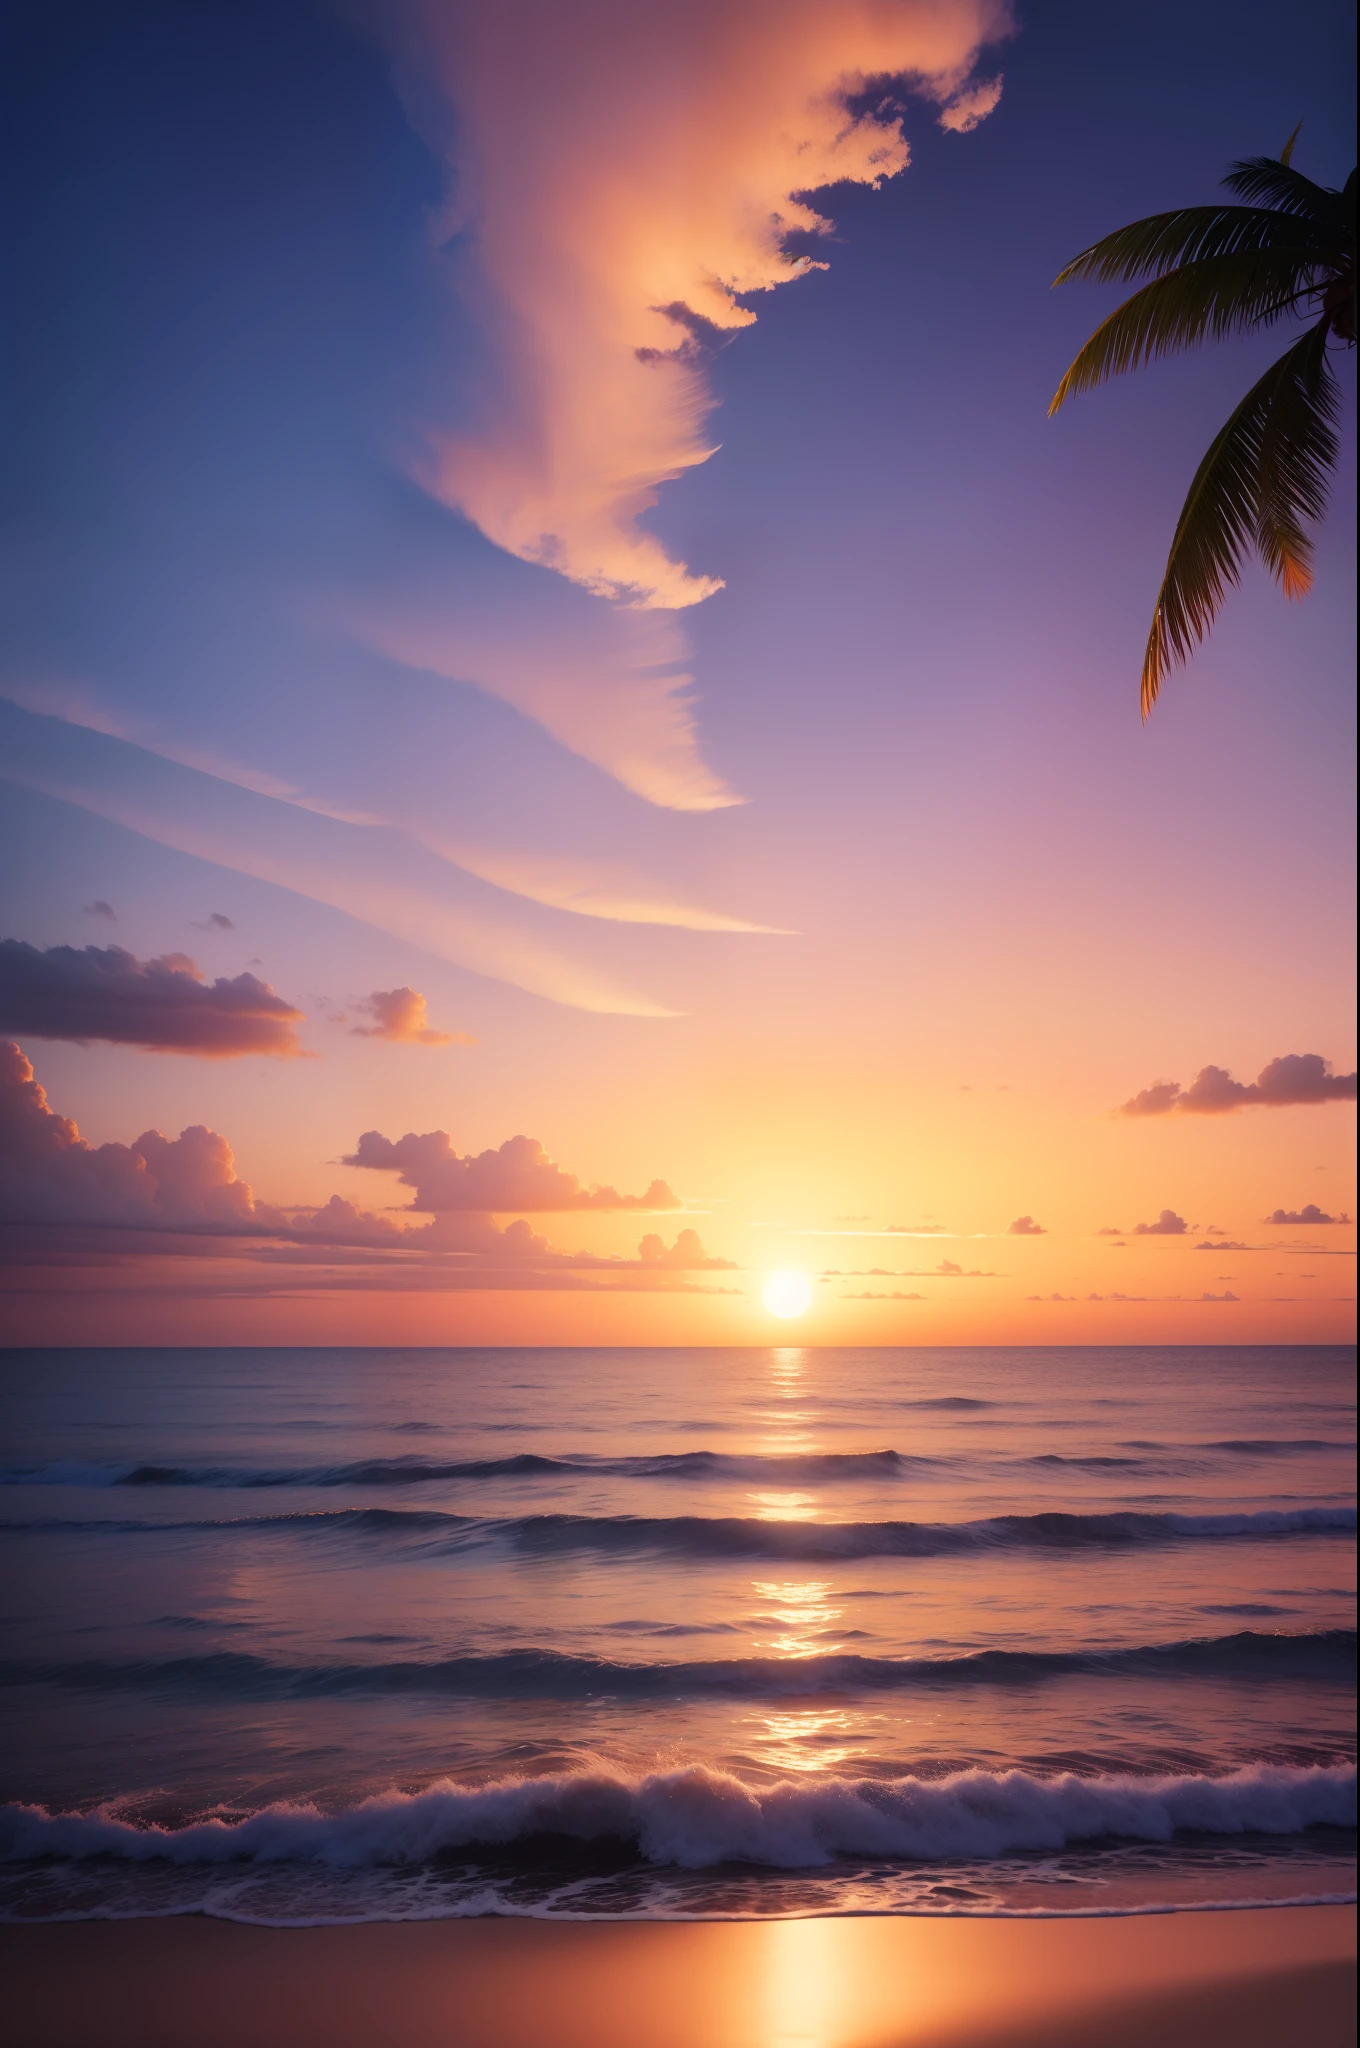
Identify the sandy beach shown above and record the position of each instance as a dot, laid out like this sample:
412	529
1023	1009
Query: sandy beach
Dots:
1252	1979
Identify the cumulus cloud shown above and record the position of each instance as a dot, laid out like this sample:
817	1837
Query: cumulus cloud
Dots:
1225	1244
49	1174
1168	1224
99	908
518	1175
162	1005
1293	1079
399	1015
1308	1214
82	1206
686	1255
215	921
626	178
1025	1226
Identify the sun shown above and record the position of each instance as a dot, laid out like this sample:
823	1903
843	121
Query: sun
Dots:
788	1294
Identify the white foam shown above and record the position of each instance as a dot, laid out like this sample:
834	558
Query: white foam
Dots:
694	1818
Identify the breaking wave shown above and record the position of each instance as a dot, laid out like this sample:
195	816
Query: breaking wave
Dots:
695	1818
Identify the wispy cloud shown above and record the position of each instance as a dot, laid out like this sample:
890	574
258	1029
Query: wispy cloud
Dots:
627	177
371	872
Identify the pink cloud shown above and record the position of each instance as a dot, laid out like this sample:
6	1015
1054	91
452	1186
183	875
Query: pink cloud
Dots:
519	1175
1309	1214
49	1174
627	177
1295	1078
87	1210
687	1254
162	1005
399	1017
1025	1226
1168	1224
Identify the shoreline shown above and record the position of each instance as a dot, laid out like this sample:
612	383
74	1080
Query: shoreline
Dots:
1249	1977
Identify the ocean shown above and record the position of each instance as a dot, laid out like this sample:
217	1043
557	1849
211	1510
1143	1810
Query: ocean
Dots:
300	1636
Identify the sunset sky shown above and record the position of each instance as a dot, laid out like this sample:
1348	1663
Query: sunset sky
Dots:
532	533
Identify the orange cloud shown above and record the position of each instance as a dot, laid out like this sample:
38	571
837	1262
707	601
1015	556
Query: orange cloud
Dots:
399	1016
630	175
517	1176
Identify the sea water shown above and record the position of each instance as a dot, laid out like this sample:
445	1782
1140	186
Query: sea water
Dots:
326	1634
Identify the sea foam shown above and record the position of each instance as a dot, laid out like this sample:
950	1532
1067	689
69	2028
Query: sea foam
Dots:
695	1818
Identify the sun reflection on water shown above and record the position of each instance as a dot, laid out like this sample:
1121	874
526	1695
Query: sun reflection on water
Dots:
806	1739
804	1616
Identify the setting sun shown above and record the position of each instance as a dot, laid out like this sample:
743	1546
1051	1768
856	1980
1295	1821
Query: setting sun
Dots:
788	1294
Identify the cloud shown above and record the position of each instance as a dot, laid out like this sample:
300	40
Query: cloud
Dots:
966	109
1308	1214
596	889
1025	1226
1111	1230
372	872
399	1016
86	1210
622	190
946	1270
215	921
1168	1224
1225	1244
162	1005
99	908
48	1173
1293	1079
897	1296
686	1255
518	1176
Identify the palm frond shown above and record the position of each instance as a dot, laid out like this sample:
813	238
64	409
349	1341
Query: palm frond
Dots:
1287	152
1220	296
1299	451
1269	181
1164	241
1249	488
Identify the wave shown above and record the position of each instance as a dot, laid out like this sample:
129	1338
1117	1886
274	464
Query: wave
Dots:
789	1468
809	1469
1326	1655
695	1818
752	1537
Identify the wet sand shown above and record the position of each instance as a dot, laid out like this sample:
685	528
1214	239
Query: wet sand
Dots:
1257	1979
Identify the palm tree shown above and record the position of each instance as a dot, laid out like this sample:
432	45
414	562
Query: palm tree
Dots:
1220	270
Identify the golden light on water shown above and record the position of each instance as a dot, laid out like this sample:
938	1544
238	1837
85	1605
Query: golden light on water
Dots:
788	1293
